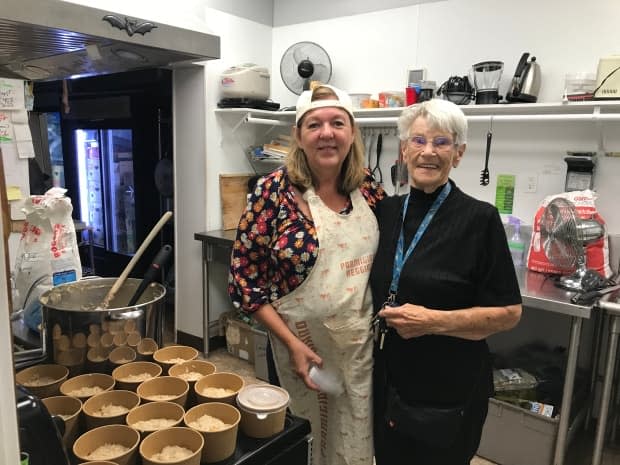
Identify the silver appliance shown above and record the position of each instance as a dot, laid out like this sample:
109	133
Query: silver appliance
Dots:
51	39
526	81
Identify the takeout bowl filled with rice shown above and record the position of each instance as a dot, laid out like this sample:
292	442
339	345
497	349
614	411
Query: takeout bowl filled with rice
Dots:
114	443
121	355
130	375
171	355
43	380
218	387
87	385
164	388
154	416
191	371
177	445
218	423
109	408
70	410
146	348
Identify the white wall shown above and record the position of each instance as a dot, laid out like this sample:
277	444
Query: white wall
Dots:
371	52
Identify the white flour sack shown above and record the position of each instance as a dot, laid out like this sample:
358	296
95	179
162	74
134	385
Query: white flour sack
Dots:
47	254
597	252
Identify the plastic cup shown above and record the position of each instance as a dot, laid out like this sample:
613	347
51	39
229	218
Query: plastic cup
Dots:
328	381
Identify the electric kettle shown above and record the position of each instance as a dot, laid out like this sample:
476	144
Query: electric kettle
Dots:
525	82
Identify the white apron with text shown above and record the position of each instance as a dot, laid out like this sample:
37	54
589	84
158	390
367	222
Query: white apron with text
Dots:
331	312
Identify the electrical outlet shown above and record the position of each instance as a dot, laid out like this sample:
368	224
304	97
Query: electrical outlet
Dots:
531	184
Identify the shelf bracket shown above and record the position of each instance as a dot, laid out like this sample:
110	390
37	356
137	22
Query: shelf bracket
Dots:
596	117
244	119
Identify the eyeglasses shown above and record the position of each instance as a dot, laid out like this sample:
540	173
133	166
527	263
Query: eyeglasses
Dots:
440	143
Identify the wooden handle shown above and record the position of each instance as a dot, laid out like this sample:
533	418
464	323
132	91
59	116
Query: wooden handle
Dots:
121	279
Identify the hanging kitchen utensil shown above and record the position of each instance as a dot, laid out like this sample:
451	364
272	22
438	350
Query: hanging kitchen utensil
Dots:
484	175
153	270
376	171
121	279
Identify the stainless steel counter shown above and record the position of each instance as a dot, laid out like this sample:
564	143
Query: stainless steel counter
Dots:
210	239
538	291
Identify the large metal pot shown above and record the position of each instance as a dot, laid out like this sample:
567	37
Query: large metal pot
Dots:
78	333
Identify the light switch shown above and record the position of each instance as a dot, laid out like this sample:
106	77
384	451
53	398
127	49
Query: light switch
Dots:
532	183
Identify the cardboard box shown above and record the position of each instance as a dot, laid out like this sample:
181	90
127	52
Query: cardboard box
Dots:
233	198
515	436
260	354
239	339
246	342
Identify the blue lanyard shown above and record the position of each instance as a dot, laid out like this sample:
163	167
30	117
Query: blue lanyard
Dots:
399	259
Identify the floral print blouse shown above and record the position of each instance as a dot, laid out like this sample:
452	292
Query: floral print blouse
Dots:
276	245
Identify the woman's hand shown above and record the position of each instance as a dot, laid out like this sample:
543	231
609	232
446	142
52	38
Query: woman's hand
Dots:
302	358
408	320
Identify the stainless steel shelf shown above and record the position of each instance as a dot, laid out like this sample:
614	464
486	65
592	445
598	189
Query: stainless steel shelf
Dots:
594	110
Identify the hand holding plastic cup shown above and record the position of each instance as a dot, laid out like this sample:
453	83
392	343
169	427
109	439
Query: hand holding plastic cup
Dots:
328	381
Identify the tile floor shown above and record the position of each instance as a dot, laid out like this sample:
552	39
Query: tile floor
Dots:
579	453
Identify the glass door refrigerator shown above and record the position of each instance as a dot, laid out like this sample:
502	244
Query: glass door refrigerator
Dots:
106	187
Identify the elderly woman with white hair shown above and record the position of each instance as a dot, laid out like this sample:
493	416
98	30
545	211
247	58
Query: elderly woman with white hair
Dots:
442	281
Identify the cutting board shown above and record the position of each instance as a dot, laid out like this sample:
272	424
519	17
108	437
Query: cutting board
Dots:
233	198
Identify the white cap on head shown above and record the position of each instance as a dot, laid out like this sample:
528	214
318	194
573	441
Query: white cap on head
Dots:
305	102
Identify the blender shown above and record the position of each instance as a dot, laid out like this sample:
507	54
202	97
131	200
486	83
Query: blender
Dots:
486	76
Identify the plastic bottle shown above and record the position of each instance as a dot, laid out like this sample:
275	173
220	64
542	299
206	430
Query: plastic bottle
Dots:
516	243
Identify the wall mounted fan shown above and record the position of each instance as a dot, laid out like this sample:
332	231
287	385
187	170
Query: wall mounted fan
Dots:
564	236
303	63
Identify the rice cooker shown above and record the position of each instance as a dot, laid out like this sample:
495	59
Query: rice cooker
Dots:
245	81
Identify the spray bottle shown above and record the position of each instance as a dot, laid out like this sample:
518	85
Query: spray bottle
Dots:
516	243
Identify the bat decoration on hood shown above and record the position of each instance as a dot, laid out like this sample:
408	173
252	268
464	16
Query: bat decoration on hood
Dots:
130	25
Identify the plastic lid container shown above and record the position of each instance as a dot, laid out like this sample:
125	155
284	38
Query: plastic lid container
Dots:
262	398
580	83
358	98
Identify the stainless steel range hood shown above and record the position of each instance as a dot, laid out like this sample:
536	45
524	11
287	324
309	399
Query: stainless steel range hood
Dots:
44	40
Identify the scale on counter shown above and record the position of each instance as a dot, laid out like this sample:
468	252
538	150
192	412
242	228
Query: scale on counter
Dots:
580	171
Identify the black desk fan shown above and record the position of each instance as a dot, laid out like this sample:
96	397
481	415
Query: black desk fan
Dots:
303	63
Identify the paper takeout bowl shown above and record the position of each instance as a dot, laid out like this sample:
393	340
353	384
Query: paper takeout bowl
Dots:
87	385
164	389
94	408
171	355
222	380
70	410
121	435
179	436
152	411
43	380
130	375
219	444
